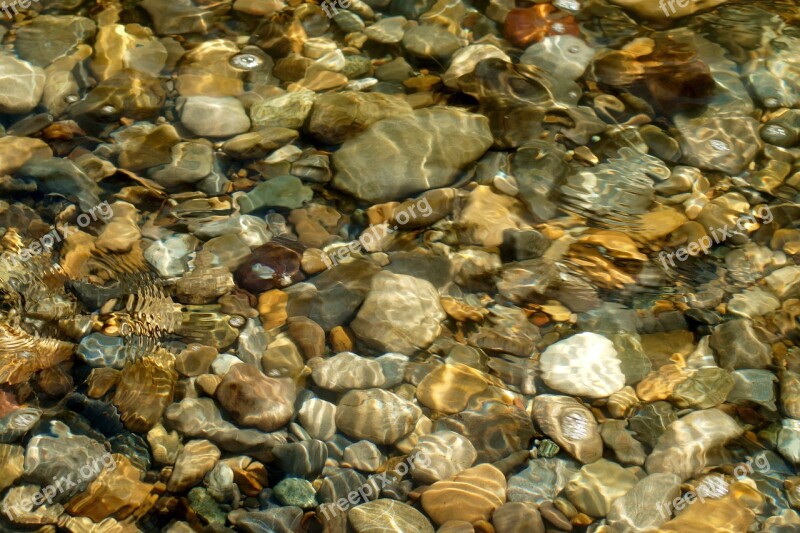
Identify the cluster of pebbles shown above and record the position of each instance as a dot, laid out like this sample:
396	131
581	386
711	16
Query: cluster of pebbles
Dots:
519	330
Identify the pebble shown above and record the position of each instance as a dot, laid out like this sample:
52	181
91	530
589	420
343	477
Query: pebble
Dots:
347	371
636	510
427	139
194	462
387	516
254	399
376	415
318	418
210	116
541	480
441	455
306	458
585	364
517	517
448	388
470	496
287	111
296	492
682	449
399	314
598	485
21	85
737	345
363	455
571	425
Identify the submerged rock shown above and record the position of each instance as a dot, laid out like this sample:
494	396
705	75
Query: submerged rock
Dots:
21	85
686	444
585	364
400	314
399	156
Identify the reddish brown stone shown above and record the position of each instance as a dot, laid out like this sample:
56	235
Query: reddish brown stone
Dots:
274	265
526	25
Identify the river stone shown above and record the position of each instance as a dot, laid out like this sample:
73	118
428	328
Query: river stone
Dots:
448	388
585	364
101	351
682	449
296	492
190	163
214	116
400	314
200	417
21	85
254	399
441	455
388	516
465	60
597	485
542	480
517	517
399	156
197	458
305	458
472	495
364	456
376	415
635	511
286	111
280	191
431	41
347	371
656	11
570	424
16	151
337	117
49	37
738	346
318	418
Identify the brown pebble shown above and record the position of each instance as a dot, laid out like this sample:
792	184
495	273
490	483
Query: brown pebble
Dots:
342	339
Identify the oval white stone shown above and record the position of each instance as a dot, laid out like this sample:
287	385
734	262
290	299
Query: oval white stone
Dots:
585	364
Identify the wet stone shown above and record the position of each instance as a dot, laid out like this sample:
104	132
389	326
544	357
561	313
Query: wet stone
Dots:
295	492
214	116
385	516
738	346
255	399
427	140
541	480
441	455
585	364
571	425
363	456
347	371
400	314
598	485
306	458
21	85
376	415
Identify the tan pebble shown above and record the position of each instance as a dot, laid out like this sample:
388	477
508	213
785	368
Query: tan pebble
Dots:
471	496
341	339
272	308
